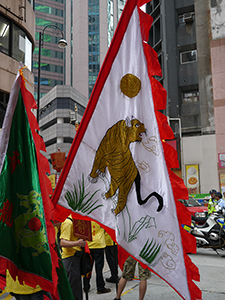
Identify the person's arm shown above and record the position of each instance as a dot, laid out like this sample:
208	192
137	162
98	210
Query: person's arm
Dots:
69	244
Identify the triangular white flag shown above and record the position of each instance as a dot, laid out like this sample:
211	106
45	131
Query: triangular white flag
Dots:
118	168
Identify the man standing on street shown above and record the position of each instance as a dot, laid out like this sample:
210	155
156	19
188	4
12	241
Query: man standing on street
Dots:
97	247
212	202
128	274
71	258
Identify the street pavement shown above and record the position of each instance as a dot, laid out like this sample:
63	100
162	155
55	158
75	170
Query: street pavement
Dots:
212	283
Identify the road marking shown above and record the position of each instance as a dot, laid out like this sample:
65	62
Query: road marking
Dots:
129	290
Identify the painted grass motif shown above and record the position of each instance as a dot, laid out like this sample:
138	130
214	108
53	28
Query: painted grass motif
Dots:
79	201
150	251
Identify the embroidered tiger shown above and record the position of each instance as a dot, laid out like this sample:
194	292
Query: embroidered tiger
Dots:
114	153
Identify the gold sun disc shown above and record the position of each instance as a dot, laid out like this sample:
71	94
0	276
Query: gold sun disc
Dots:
130	85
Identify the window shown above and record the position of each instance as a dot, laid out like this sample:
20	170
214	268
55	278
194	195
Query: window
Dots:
188	56
93	40
48	82
49	53
4	35
192	96
48	67
43	22
153	5
156	2
49	10
48	38
14	42
31	2
186	18
4	98
121	4
155	33
110	21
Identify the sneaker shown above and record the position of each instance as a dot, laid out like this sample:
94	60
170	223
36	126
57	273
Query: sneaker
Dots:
103	291
117	299
112	280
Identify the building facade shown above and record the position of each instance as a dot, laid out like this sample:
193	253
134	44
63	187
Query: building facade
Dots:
17	30
181	35
49	12
62	108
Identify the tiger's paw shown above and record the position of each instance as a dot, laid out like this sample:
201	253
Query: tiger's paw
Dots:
101	175
92	180
116	211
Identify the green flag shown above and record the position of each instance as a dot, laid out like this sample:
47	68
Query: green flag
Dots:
27	235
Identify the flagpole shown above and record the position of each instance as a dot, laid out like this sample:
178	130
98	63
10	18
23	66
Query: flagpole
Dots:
39	77
84	261
116	257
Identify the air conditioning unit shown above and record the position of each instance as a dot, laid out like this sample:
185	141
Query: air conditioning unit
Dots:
188	17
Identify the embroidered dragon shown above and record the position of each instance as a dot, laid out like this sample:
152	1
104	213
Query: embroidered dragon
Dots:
114	153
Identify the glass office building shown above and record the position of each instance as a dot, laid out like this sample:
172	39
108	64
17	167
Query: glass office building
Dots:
52	57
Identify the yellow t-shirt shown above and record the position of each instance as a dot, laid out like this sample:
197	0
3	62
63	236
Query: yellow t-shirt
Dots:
108	240
98	236
17	288
67	234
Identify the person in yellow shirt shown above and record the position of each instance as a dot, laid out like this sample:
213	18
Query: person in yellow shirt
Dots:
97	247
23	291
71	250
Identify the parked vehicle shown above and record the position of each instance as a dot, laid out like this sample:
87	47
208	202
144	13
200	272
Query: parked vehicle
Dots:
211	234
198	212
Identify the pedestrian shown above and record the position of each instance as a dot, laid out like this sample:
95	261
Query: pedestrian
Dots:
223	192
128	274
23	291
212	202
71	254
97	247
111	254
220	200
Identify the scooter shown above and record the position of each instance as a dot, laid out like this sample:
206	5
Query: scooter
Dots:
212	233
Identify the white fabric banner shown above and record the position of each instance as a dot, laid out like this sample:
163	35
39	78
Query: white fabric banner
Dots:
120	157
